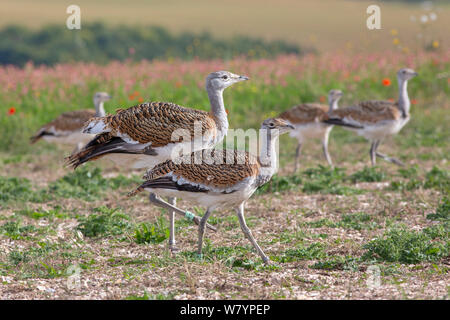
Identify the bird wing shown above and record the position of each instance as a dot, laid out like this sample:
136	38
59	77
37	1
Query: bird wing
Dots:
367	112
64	124
305	113
152	123
215	171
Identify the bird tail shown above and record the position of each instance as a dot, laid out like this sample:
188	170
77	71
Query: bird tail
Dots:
342	123
135	191
38	136
98	147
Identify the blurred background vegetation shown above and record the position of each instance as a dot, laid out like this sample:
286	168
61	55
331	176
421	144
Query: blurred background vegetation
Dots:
148	29
99	43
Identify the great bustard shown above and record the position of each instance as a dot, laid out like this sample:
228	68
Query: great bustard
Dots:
307	119
147	134
215	184
378	119
67	128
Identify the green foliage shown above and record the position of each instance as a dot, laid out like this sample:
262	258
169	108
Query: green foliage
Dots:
279	184
47	214
356	221
14	230
368	174
404	246
326	180
442	212
302	252
37	262
97	42
146	296
107	222
17	257
18	189
337	263
84	183
152	233
436	178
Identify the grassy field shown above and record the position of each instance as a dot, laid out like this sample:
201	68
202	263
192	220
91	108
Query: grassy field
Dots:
67	234
325	24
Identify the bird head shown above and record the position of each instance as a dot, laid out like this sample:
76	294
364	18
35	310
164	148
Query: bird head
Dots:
334	95
101	97
406	74
223	79
277	125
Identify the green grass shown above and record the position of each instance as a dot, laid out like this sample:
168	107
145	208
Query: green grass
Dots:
302	252
337	263
368	174
51	214
108	222
152	232
14	230
321	179
442	212
436	178
43	260
86	183
406	246
355	221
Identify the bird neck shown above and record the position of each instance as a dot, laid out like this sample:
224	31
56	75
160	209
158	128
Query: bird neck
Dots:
403	99
268	153
333	105
99	109
218	108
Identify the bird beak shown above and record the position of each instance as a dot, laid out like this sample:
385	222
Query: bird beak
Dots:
415	74
243	78
290	126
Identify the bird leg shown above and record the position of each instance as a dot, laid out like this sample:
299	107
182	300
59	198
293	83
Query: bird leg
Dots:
385	157
248	234
373	152
389	159
172	242
161	203
325	150
201	231
297	157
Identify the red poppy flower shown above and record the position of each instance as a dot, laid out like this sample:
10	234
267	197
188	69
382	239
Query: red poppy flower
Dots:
11	111
322	99
391	99
227	112
140	100
413	101
386	82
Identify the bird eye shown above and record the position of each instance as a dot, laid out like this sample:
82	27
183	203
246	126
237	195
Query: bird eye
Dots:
272	124
225	77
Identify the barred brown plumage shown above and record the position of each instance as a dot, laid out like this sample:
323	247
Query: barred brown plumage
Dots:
213	184
308	121
66	123
305	113
241	165
151	125
154	122
375	120
67	128
367	112
143	136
